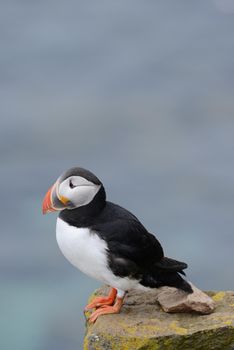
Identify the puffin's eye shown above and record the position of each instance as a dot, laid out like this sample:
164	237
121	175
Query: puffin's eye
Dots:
71	184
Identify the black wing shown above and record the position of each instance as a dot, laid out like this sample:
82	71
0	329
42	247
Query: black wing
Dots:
131	247
132	250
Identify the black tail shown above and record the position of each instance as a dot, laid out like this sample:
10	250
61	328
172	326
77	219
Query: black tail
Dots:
167	273
157	279
170	270
186	287
173	279
169	264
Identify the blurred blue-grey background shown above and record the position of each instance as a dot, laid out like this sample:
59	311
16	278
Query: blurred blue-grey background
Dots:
139	92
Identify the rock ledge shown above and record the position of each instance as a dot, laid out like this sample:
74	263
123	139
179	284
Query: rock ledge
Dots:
143	325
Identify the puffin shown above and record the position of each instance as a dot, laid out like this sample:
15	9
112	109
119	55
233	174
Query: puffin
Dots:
107	242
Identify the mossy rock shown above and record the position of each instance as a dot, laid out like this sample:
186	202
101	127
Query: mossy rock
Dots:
142	325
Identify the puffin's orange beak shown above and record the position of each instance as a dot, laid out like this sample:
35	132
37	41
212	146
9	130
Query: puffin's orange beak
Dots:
47	205
53	201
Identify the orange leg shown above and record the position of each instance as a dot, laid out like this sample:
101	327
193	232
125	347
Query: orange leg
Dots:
101	301
105	309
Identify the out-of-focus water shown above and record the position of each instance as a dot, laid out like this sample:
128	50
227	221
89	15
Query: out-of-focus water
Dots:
142	95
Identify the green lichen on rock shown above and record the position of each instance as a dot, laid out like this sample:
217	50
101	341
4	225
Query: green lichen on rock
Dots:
142	325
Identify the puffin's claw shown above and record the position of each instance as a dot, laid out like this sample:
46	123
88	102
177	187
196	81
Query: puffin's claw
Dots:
106	309
98	302
102	300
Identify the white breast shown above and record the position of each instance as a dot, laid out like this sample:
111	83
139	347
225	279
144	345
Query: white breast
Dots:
86	251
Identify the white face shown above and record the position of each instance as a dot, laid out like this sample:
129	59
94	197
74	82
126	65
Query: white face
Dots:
77	190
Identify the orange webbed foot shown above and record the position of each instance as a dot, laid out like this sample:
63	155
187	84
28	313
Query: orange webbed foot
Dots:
102	300
106	309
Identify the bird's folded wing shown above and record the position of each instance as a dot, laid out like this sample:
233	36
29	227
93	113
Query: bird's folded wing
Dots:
130	240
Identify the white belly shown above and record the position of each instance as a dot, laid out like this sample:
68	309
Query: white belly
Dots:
86	251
